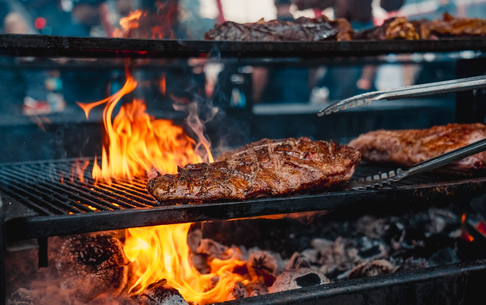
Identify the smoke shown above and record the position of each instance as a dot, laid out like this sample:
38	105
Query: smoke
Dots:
203	145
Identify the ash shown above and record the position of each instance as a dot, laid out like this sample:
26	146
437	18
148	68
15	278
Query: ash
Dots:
280	255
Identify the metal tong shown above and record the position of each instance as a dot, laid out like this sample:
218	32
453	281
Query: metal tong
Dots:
462	84
422	167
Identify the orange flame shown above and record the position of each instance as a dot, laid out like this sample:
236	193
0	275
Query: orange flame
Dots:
137	142
127	23
162	252
162	84
465	234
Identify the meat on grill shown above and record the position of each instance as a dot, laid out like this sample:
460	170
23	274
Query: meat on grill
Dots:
261	169
397	28
408	147
302	29
450	26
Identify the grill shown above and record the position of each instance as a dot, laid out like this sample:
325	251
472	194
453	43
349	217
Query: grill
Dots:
42	45
55	201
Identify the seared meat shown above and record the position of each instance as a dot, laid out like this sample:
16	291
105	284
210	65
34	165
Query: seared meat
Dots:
261	169
451	26
408	147
397	28
302	29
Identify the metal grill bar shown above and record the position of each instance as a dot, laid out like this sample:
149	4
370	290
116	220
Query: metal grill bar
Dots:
54	46
67	205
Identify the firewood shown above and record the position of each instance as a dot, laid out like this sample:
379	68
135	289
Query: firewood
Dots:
91	265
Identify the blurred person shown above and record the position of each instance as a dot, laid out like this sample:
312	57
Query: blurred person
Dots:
85	15
14	23
84	86
23	91
358	12
281	84
347	81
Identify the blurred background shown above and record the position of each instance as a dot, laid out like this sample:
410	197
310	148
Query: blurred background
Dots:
38	101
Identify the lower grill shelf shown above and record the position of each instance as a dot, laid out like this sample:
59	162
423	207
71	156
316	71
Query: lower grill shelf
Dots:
49	198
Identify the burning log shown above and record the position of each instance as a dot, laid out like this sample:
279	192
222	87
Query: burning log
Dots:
300	278
160	293
91	265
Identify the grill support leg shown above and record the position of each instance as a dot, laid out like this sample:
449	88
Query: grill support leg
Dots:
43	248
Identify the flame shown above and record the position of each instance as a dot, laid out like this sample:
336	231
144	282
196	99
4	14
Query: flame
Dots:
465	234
137	142
127	23
162	84
161	252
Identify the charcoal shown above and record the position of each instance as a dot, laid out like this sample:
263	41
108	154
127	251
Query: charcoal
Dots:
161	293
256	288
264	265
445	256
436	242
370	226
312	255
373	268
194	240
211	249
294	279
200	263
238	291
298	261
91	265
411	264
23	297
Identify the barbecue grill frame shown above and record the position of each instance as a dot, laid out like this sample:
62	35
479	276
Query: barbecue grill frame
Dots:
26	224
451	284
52	46
82	47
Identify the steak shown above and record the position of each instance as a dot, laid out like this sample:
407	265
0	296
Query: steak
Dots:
302	29
408	147
261	169
450	26
397	28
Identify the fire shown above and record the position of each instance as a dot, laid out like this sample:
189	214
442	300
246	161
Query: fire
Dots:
137	142
162	252
127	23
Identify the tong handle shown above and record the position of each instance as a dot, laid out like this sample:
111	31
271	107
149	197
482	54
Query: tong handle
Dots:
455	85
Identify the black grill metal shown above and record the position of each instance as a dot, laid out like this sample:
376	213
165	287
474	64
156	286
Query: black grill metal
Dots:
53	46
48	198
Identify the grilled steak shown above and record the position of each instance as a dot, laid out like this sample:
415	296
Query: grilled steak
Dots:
302	29
408	147
261	169
397	28
450	26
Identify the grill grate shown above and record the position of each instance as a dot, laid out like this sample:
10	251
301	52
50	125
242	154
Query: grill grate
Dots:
63	203
54	188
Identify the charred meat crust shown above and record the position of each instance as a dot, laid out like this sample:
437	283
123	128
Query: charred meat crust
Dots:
302	29
408	147
261	169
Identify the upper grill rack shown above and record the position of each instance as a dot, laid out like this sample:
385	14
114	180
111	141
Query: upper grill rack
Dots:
55	46
64	202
